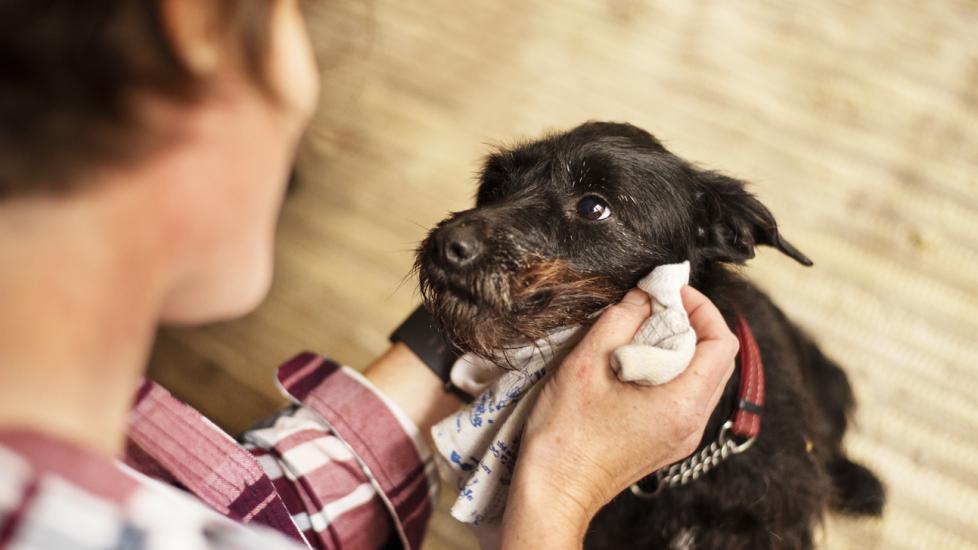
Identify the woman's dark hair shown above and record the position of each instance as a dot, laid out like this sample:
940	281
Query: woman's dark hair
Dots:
68	69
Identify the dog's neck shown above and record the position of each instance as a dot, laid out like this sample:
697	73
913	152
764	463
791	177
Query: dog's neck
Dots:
718	282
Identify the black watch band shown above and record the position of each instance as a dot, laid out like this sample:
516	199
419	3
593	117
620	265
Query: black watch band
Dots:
419	333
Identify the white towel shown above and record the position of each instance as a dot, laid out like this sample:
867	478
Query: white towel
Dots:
477	446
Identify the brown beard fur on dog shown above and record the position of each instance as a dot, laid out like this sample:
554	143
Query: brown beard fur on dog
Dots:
519	309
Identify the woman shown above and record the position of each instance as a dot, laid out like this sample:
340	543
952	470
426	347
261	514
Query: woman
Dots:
143	152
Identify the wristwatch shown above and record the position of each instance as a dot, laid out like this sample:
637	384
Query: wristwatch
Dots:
419	333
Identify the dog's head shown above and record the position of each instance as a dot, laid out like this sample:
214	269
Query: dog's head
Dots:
564	226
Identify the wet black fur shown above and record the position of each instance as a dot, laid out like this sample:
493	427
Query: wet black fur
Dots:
664	210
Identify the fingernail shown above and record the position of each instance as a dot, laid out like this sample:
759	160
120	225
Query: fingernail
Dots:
635	297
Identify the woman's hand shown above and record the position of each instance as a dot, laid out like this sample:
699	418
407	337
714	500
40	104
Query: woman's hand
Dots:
590	436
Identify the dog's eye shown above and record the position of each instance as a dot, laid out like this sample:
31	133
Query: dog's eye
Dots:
593	208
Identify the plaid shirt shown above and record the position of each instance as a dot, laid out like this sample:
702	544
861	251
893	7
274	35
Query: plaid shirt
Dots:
343	468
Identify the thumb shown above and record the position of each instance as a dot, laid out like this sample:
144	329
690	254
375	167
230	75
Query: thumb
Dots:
618	324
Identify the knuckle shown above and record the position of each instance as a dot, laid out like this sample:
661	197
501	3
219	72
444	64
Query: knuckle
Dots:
617	312
626	313
587	350
732	344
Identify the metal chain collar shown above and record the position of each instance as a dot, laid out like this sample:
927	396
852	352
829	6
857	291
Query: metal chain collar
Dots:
696	464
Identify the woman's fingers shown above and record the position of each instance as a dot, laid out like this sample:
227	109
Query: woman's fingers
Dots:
718	391
618	324
704	317
713	361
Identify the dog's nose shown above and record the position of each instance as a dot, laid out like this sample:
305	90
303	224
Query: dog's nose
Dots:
459	244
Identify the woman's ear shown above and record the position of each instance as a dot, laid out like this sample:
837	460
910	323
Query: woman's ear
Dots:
193	30
730	222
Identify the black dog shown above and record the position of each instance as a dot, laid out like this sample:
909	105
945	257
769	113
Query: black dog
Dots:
563	227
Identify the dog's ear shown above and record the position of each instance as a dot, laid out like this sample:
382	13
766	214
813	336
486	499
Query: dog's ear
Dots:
730	222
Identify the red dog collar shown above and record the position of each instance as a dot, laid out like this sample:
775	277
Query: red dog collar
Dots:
750	398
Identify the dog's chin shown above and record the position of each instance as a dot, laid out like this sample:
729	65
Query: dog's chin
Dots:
476	326
473	324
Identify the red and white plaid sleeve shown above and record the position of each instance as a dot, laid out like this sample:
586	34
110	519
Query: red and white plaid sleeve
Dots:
344	468
349	466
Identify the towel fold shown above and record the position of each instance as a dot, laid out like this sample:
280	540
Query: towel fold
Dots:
477	445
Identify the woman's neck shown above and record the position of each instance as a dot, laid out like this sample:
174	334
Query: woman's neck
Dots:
77	321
